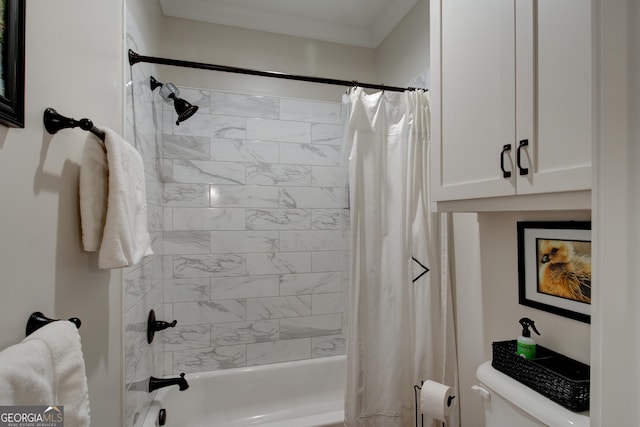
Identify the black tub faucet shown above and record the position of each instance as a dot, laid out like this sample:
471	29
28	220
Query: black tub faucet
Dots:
156	383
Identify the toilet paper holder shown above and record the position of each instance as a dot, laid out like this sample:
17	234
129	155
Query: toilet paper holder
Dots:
416	389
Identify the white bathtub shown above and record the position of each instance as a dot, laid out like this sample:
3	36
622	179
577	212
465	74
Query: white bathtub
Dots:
307	393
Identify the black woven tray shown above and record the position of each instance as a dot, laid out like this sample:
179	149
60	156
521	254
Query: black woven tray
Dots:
560	378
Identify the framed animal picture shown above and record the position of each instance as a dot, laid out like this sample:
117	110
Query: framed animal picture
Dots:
554	267
12	44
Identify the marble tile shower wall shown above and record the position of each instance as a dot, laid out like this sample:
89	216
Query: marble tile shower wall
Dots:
253	231
143	282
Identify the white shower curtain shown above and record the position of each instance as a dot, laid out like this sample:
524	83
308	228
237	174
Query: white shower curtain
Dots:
400	317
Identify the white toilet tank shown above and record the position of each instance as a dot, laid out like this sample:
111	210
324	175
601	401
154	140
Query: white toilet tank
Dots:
508	403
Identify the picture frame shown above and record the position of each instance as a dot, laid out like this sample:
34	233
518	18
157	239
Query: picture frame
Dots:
12	45
554	267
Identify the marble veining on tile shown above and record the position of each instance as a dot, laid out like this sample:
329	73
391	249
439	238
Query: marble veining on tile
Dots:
212	125
186	242
223	357
154	220
186	195
244	241
278	174
332	345
278	219
238	150
306	198
249	218
234	104
326	134
208	172
278	351
143	283
202	312
310	111
249	196
310	154
209	265
186	337
201	98
134	339
235	333
186	290
327	219
310	283
185	147
278	307
279	263
208	218
310	240
134	289
311	326
245	287
278	130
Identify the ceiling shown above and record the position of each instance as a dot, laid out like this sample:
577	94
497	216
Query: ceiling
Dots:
363	23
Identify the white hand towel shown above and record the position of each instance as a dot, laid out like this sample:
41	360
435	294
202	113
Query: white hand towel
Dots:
125	240
93	193
26	374
69	375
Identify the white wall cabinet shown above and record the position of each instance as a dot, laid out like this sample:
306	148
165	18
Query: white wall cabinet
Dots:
511	97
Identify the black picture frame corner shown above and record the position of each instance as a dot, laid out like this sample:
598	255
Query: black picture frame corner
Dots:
531	290
12	77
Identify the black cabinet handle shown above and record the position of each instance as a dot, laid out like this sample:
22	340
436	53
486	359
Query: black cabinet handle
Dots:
505	173
523	143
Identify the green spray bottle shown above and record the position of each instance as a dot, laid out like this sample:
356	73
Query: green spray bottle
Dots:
526	345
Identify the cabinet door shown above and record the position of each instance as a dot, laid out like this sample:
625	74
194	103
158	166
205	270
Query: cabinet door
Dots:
553	68
473	98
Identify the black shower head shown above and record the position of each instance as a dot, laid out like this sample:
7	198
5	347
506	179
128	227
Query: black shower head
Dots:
184	109
169	92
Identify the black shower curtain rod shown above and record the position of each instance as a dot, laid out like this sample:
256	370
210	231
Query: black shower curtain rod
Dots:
134	58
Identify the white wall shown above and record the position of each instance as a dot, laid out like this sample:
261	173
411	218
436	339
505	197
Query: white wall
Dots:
223	45
404	54
74	64
149	20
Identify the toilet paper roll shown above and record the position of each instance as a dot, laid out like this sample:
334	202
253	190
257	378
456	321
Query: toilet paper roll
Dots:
436	400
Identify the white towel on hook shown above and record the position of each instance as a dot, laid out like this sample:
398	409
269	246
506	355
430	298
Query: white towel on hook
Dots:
125	240
94	176
47	368
26	374
69	375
